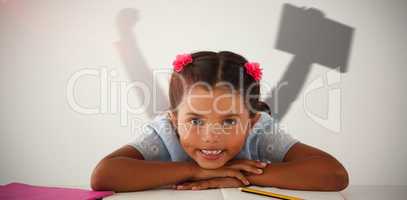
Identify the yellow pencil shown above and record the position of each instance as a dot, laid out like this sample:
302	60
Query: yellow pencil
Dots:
269	194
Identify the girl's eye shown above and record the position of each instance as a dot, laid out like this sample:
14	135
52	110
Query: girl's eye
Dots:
196	121
229	122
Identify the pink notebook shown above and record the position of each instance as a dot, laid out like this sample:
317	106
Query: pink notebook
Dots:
25	191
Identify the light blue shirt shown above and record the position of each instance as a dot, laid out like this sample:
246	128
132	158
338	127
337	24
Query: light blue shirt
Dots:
265	142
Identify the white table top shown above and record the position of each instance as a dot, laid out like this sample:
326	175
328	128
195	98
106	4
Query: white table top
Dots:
220	194
350	193
375	192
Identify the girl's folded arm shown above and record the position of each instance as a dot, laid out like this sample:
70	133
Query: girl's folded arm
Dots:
304	168
125	170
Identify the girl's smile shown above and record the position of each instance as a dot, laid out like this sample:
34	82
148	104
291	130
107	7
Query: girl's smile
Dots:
211	154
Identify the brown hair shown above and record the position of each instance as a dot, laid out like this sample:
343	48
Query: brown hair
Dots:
211	68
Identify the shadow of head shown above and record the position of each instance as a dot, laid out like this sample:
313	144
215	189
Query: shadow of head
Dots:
127	17
310	36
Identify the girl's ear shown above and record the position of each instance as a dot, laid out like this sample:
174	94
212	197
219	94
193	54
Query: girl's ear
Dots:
173	118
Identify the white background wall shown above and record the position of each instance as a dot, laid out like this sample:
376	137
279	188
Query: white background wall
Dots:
43	43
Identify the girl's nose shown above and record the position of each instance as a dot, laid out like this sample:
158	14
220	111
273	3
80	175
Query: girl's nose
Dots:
211	133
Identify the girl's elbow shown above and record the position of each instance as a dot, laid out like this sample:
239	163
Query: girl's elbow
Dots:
97	179
340	179
96	184
337	176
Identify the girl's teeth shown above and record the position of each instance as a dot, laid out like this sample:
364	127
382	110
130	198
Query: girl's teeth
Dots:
211	152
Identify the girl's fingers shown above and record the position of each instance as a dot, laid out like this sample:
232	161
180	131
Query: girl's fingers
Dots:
184	187
237	174
255	163
247	168
260	164
199	185
211	183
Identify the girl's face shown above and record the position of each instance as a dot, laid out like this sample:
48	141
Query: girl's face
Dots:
212	124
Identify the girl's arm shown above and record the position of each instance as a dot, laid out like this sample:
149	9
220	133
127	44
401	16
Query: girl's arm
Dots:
125	170
304	168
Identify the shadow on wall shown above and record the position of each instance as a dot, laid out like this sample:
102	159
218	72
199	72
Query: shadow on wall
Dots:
311	38
135	63
305	33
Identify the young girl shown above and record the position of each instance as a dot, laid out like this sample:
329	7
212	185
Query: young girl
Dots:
216	134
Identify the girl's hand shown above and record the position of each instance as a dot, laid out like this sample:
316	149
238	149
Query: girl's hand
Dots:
209	184
250	166
232	169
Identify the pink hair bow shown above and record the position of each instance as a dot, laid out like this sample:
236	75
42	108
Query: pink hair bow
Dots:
254	70
180	61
